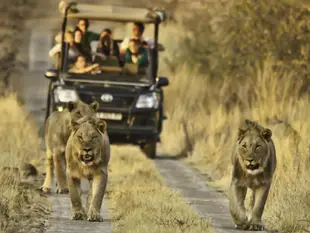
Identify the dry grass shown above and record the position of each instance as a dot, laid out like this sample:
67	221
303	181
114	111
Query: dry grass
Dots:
211	131
141	203
22	209
12	21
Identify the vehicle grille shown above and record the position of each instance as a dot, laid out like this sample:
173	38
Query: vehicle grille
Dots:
119	101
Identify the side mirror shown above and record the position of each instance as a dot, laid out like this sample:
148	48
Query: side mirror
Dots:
51	74
162	82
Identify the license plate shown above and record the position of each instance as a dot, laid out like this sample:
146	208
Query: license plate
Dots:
109	116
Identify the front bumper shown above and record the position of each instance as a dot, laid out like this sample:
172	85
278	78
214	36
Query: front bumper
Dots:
134	128
131	134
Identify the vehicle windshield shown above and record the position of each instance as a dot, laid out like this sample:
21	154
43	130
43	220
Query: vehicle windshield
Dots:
108	51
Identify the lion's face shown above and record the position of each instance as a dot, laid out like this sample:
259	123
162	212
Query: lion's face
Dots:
87	141
80	109
253	150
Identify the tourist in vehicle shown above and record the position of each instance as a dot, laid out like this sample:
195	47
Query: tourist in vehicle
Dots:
81	66
138	30
136	53
106	45
73	51
78	35
88	36
57	48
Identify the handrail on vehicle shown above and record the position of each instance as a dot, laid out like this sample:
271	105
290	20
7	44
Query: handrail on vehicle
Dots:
112	13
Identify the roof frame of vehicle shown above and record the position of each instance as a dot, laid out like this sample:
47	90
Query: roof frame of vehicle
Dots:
114	13
74	10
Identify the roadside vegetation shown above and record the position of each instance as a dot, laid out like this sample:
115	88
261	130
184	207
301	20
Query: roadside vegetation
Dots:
140	201
243	59
11	26
22	208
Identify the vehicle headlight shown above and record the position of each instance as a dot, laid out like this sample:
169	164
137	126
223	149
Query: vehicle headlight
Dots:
65	95
147	101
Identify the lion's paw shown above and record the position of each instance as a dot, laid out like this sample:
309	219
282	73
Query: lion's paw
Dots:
94	216
243	226
256	227
45	190
62	191
78	215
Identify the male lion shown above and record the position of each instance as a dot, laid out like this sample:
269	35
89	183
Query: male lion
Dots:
87	156
254	162
57	131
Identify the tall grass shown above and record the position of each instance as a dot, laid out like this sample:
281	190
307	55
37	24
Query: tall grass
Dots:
22	209
227	70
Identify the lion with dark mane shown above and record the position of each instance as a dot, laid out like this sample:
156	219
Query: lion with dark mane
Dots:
254	162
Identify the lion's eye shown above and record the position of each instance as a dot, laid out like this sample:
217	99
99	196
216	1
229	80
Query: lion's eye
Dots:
257	148
94	137
244	147
78	113
80	138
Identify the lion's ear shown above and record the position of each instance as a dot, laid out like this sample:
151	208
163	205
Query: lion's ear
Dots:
266	134
71	105
95	105
102	126
241	133
75	125
250	123
247	121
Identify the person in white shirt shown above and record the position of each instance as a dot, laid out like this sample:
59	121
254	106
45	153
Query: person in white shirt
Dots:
73	51
57	48
138	29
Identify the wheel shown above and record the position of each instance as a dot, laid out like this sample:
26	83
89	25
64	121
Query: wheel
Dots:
149	150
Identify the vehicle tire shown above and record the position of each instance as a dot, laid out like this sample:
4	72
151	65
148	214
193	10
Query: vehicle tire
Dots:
149	150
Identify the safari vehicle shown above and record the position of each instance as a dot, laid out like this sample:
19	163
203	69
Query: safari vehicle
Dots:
130	98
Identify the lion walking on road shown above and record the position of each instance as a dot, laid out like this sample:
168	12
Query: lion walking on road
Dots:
57	131
254	162
87	156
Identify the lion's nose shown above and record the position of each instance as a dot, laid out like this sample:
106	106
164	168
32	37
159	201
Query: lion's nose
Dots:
250	160
87	150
